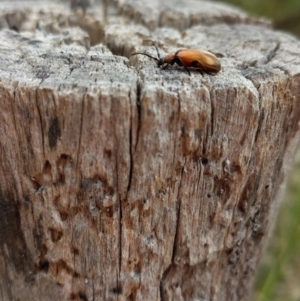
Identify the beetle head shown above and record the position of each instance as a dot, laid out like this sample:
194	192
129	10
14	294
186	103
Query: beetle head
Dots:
160	61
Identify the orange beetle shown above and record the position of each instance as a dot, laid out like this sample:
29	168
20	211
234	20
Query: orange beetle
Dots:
202	60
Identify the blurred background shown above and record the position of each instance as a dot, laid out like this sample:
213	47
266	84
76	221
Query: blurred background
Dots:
284	13
279	275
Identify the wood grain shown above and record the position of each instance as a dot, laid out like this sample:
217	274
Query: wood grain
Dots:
122	181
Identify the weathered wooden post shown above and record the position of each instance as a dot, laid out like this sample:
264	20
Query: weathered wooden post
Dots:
122	181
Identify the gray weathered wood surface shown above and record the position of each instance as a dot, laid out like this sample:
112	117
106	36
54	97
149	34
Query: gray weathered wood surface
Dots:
121	181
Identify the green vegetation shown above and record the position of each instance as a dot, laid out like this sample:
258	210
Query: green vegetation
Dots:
278	278
279	275
284	13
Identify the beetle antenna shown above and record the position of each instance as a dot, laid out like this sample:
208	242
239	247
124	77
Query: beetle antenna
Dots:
152	57
156	51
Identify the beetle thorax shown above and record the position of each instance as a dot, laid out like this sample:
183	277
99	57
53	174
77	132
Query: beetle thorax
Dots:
169	58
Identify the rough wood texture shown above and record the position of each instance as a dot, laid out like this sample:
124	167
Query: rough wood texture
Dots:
121	181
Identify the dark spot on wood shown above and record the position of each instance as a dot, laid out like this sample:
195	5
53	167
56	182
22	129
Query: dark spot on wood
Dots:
27	199
35	183
75	251
248	194
222	189
82	296
44	266
131	297
109	211
243	202
183	130
260	121
229	250
15	28
138	268
63	212
107	152
204	161
109	191
47	167
13	245
117	290
257	236
62	267
55	235
54	132
243	139
61	164
43	262
63	215
234	256
235	168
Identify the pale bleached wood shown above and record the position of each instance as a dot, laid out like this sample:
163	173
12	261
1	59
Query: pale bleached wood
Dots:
121	181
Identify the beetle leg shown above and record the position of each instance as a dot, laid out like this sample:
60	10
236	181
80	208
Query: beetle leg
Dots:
182	64
165	67
187	70
200	67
